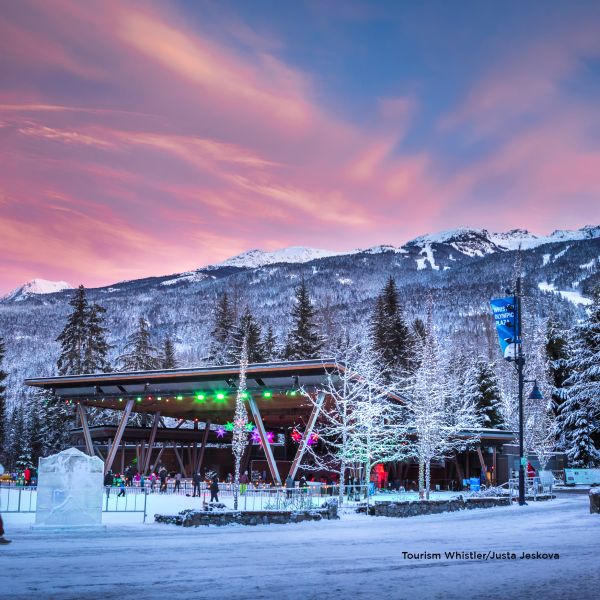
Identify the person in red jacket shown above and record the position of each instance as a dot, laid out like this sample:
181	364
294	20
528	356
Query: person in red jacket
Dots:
530	470
27	476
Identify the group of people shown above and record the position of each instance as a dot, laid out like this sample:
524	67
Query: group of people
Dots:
128	479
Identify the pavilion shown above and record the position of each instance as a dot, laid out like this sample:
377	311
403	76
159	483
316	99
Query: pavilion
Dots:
187	414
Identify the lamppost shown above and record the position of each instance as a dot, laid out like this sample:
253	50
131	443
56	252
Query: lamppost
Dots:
535	394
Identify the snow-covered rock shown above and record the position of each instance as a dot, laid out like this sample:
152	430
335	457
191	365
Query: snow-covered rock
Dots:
37	287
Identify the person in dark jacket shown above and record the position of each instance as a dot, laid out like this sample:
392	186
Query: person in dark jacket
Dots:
163	480
196	480
214	489
303	484
108	481
177	487
3	540
289	486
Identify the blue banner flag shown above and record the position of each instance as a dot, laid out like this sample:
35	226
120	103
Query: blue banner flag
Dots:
505	315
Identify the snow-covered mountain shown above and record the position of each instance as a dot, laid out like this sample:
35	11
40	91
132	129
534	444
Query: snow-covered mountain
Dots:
478	242
37	287
462	269
259	258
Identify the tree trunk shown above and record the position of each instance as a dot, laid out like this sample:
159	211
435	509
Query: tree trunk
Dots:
427	478
421	476
341	486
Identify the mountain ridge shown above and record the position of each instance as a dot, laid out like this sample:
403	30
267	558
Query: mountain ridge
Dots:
469	241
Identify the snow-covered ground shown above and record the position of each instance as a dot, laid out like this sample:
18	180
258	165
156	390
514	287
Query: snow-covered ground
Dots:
355	557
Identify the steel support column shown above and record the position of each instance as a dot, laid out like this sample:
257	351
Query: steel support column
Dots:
112	451
151	442
312	419
205	433
264	440
82	414
178	457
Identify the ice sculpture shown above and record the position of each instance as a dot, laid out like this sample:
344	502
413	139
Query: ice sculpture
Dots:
69	492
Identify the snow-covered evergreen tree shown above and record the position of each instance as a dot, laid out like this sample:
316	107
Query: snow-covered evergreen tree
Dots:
96	347
222	331
74	336
557	347
168	359
304	340
579	412
3	407
247	329
20	446
140	353
482	389
270	345
391	338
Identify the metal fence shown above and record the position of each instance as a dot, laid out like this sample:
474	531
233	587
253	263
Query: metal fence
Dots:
19	499
15	499
534	487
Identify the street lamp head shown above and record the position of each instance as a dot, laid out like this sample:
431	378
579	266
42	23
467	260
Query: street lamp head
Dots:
536	394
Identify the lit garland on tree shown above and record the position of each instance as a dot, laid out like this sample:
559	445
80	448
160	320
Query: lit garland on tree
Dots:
240	422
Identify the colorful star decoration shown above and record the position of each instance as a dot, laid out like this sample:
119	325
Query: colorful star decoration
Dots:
229	426
256	437
220	431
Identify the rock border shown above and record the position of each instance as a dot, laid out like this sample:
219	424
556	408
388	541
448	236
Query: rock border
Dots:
415	508
197	518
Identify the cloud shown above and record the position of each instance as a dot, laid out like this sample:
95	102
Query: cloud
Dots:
136	141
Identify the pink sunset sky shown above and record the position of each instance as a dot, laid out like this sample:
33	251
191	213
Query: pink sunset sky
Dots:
141	138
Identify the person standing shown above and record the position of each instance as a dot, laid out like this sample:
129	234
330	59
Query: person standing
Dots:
303	484
163	480
3	540
27	476
121	482
108	481
244	481
214	489
289	486
177	487
196	482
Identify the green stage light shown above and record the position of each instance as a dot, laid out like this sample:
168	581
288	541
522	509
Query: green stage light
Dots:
293	393
200	397
120	399
244	394
159	398
179	397
267	394
139	399
220	396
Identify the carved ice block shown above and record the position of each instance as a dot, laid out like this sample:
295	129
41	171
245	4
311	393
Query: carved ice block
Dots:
69	493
